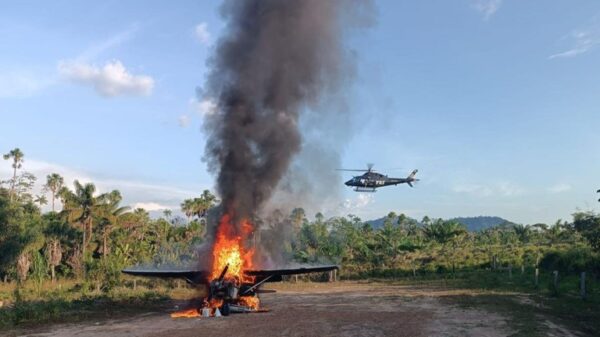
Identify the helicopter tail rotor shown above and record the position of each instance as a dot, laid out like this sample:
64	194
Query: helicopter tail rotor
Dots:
411	178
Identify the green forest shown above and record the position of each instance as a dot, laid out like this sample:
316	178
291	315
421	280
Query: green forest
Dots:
77	250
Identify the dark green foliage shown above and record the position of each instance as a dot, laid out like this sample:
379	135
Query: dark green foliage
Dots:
571	261
588	224
443	231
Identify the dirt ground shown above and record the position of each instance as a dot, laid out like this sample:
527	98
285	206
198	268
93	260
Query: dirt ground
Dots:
334	309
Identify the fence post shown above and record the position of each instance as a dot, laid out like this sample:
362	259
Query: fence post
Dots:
522	269
555	281
335	277
582	285
537	277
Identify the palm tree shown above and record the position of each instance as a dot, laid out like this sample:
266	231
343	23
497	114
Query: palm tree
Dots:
167	213
204	203
198	206
17	157
54	182
443	231
523	232
81	206
555	232
41	200
187	207
208	201
111	212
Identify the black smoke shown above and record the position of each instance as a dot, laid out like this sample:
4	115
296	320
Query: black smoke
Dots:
276	59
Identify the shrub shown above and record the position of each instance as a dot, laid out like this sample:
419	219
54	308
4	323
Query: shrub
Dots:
571	261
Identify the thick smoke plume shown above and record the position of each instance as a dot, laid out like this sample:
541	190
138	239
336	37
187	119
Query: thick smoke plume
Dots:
275	59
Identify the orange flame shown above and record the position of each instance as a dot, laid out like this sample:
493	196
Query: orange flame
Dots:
188	313
250	301
228	250
215	303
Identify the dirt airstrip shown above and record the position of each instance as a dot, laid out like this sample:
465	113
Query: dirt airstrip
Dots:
315	309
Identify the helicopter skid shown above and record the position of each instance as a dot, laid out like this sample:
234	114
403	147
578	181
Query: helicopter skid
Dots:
365	189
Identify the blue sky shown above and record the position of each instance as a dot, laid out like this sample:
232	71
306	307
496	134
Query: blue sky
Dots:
495	101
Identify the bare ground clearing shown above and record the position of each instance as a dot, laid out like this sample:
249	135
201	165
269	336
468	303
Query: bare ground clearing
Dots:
317	309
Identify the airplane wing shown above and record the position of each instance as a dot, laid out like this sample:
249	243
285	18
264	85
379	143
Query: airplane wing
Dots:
294	271
190	275
194	276
275	275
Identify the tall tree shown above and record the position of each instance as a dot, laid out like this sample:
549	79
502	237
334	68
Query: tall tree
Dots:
110	212
443	231
207	201
198	206
54	182
23	264
53	256
187	207
588	225
298	219
81	206
17	157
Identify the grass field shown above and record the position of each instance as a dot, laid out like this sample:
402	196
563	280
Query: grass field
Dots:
529	310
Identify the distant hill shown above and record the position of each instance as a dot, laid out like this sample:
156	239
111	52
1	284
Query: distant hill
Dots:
477	223
378	223
473	224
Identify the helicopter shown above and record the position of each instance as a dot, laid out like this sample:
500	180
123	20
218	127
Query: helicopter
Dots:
371	180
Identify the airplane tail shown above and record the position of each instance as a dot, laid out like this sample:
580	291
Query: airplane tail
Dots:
411	178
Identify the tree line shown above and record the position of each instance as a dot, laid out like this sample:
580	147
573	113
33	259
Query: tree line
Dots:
93	236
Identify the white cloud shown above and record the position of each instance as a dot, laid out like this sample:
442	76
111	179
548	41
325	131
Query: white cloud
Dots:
202	33
22	83
474	189
509	189
205	107
184	121
152	206
110	80
504	189
559	188
487	7
582	42
134	193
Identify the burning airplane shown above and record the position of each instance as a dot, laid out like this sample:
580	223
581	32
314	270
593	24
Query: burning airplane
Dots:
275	60
233	284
